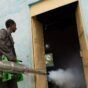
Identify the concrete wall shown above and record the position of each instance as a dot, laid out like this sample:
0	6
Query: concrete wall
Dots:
18	10
84	12
33	1
84	15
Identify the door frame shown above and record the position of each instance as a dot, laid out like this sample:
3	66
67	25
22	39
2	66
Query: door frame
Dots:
38	43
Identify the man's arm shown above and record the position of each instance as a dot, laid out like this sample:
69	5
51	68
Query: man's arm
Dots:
3	46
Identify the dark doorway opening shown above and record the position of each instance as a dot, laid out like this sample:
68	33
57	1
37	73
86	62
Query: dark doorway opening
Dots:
61	38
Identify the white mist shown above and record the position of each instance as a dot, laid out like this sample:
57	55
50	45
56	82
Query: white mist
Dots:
69	78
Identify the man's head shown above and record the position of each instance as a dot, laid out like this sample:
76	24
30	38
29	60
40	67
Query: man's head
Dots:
10	24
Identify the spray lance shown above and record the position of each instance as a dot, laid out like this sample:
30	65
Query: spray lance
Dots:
13	67
8	66
9	69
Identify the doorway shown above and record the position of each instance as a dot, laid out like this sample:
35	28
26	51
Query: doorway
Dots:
61	40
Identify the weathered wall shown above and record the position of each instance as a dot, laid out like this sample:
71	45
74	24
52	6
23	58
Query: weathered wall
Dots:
84	35
33	1
84	12
18	10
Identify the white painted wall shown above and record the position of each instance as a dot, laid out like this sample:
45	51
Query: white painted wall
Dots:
33	1
18	10
84	12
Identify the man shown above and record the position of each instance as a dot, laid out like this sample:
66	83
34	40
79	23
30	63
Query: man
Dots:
7	48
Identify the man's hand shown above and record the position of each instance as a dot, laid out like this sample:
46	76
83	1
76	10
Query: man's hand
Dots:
13	60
